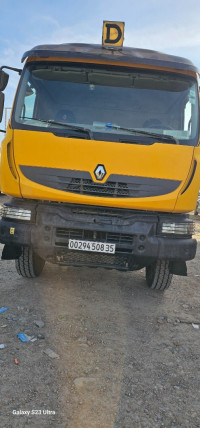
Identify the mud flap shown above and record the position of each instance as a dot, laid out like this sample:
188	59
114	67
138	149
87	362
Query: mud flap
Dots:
11	252
178	268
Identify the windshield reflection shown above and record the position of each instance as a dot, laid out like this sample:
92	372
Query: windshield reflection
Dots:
89	97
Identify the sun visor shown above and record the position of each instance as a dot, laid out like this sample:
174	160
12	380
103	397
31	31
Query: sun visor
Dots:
124	55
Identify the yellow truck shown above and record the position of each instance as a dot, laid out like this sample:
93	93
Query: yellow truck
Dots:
101	160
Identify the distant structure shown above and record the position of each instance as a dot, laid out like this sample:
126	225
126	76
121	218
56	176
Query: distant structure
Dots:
7	112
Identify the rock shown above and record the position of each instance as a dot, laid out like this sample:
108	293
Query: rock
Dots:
195	326
82	339
51	353
9	317
162	319
39	323
40	336
62	318
177	321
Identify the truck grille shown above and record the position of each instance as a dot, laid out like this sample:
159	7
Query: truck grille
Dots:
89	187
78	258
116	186
63	234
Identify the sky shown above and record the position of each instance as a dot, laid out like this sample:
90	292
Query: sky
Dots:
169	26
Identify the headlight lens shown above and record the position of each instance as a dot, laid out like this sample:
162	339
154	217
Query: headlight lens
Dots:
187	228
15	213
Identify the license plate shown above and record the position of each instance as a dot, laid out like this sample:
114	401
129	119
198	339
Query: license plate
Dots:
97	247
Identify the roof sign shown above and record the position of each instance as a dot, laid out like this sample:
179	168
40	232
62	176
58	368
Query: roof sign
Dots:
113	34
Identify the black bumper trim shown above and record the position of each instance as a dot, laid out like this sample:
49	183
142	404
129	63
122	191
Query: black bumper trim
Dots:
116	186
145	246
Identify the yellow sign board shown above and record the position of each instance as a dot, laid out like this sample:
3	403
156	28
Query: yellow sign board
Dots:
113	34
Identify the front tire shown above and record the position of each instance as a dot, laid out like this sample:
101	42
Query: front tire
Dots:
158	275
29	264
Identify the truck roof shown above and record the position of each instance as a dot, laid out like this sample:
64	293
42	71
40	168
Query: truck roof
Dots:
122	55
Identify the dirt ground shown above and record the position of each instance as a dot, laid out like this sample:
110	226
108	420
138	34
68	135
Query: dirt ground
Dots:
126	356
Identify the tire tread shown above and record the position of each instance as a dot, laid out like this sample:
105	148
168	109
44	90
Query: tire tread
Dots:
29	265
158	275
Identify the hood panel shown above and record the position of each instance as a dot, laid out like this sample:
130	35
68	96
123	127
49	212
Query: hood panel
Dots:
135	176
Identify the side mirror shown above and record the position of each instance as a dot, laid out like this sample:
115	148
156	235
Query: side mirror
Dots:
1	105
3	80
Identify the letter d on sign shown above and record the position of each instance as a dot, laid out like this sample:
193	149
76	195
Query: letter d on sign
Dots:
113	33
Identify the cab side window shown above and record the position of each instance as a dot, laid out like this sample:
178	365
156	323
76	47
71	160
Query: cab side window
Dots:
29	102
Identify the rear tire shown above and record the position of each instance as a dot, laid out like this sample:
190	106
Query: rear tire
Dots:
29	264
158	275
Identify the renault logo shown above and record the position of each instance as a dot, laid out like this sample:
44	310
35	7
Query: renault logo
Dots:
100	172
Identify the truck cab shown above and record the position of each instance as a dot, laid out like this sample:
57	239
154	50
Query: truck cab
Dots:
101	161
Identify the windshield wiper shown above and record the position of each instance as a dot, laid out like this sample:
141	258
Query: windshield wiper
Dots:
148	134
66	125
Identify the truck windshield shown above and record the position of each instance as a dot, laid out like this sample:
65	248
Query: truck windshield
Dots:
94	96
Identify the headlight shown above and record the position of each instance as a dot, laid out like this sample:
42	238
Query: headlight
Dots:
187	228
15	213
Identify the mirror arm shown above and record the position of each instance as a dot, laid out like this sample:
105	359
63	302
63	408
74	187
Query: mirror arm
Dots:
18	70
2	130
